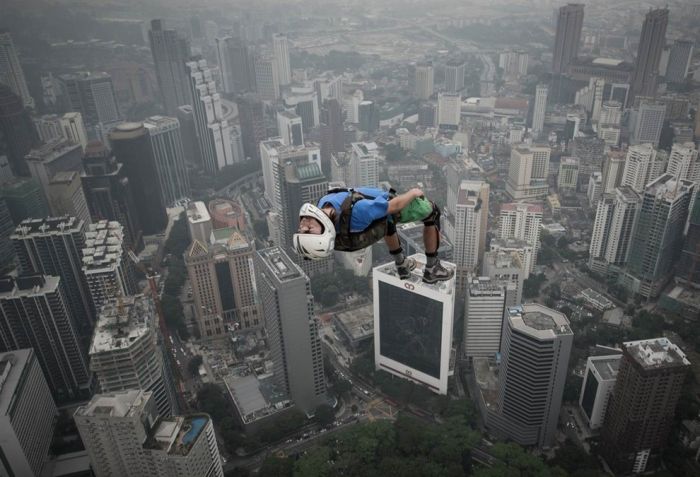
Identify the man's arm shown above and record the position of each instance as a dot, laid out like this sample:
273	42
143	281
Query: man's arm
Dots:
398	203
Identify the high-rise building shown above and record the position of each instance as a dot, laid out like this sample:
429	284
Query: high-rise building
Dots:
237	75
642	406
568	36
11	72
646	123
34	313
51	127
292	328
483	316
213	131
92	95
290	129
528	172
427	114
522	221
274	155
301	183
514	63
642	165
539	109
17	129
223	284
688	269
7	228
368	116
124	435
332	134
27	413
53	246
126	351
530	390
66	197
24	199
616	217
170	53
524	250
506	269
613	169
651	43
568	173
364	164
49	159
413	324
199	222
108	270
658	235
598	382
466	227
454	76
280	44
166	144
108	192
188	130
425	77
267	78
679	61
131	145
684	163
611	113
252	120
449	110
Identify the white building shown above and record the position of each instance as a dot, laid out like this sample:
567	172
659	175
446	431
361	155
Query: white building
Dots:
11	72
643	165
613	168
449	110
483	316
267	78
595	188
280	45
568	173
507	269
616	218
213	131
198	222
290	128
540	108
351	105
107	268
425	77
684	163
413	324
522	221
364	164
528	172
522	248
646	123
273	155
123	435
598	382
27	414
70	126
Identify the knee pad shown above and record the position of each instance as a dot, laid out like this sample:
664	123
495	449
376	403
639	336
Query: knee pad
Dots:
390	227
434	218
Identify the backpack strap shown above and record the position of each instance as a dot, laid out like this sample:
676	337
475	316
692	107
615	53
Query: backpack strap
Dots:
346	211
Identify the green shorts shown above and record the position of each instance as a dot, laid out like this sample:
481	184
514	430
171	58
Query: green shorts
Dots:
417	209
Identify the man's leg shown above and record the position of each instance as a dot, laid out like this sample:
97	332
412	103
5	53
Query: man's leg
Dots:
434	272
404	266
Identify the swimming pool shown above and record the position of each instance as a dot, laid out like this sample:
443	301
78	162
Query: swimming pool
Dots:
196	425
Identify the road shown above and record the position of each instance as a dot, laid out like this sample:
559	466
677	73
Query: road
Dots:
237	183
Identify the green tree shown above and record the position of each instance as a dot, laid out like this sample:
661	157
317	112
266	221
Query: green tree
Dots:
394	153
277	467
211	400
194	364
531	286
572	458
324	415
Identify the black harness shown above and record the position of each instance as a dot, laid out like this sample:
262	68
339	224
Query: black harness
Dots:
347	241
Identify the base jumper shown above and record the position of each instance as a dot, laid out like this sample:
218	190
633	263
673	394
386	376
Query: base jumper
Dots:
352	219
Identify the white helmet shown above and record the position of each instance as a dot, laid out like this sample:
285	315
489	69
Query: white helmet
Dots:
315	246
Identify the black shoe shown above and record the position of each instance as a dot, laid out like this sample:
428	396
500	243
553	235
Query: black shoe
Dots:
437	273
406	268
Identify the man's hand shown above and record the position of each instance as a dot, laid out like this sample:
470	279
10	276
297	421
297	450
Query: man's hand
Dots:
416	193
398	203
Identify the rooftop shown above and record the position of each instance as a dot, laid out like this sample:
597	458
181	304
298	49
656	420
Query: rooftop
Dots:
255	397
118	404
280	264
122	322
53	150
538	320
103	246
358	323
606	366
515	206
667	187
197	212
510	243
12	364
176	435
416	278
483	286
47	226
27	285
64	177
656	353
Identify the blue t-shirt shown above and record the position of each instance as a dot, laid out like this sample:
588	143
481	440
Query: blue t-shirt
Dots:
365	211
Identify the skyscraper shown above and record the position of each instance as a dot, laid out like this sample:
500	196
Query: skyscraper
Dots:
280	44
235	65
166	144
651	43
530	390
274	155
124	435
568	36
252	120
483	316
684	162
364	164
642	165
454	76
132	147
540	108
567	179
34	313
368	116
613	169
646	123
223	284
53	246
598	382
292	328
425	76
267	78
679	61
213	131
17	127
7	251
658	235
507	269
522	221
449	110
108	192
199	222
11	73
69	126
27	413
51	158
289	128
107	268
126	351
466	227
170	53
332	132
615	221
24	199
413	324
688	270
92	95
66	197
642	406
